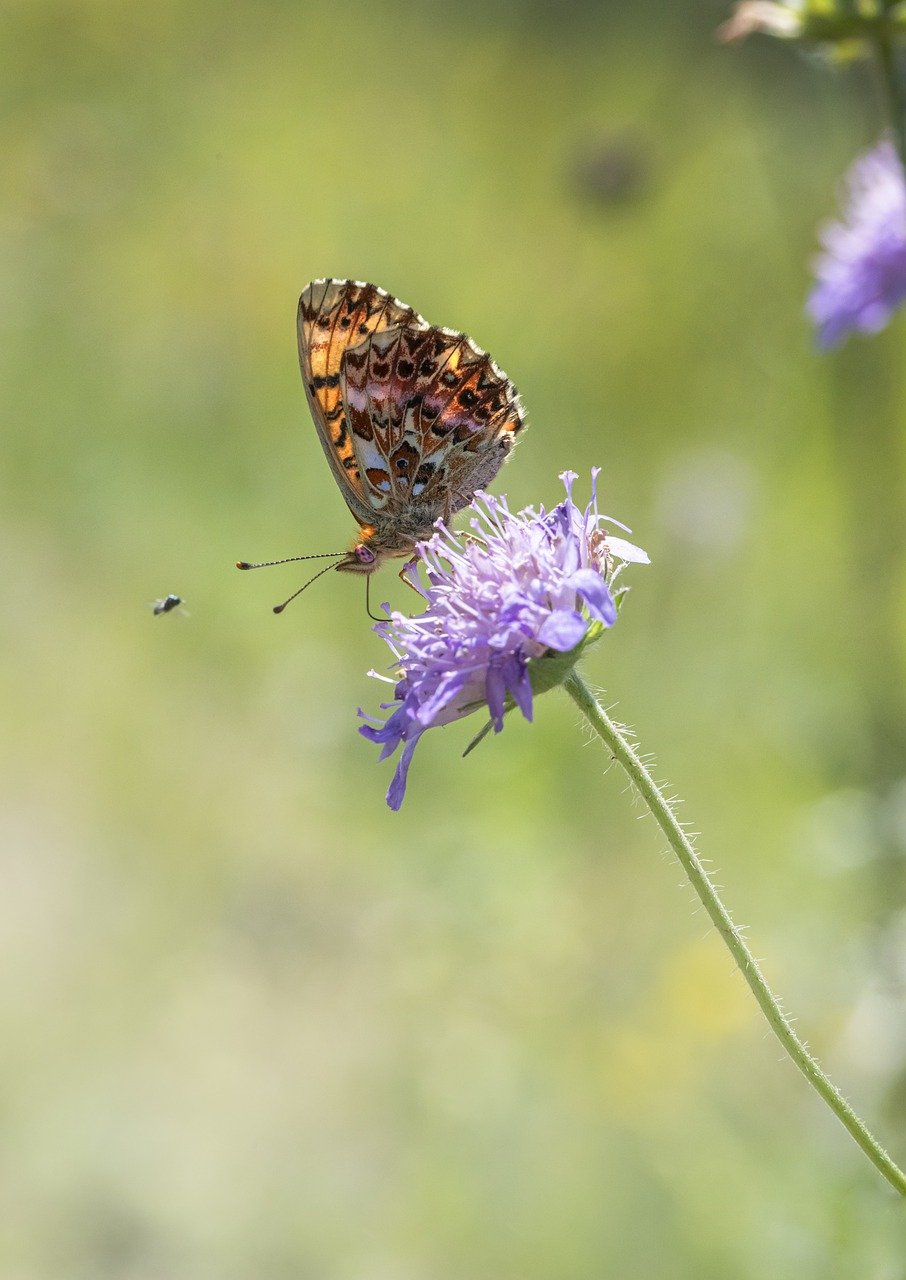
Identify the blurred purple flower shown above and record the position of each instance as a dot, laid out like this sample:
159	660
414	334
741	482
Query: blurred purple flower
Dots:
861	275
519	586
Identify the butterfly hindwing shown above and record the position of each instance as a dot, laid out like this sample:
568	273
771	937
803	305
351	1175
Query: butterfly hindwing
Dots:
431	417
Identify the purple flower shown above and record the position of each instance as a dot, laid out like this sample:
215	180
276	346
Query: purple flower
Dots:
522	587
861	275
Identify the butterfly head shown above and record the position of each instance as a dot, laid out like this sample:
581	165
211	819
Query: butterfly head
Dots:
361	559
376	545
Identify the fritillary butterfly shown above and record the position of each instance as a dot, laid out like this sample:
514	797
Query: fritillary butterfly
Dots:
413	418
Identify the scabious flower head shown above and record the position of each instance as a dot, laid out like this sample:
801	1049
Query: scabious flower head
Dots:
518	591
861	275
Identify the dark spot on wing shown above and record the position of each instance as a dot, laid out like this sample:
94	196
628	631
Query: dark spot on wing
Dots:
403	459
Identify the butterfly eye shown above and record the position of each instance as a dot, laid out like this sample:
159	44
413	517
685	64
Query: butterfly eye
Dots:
364	555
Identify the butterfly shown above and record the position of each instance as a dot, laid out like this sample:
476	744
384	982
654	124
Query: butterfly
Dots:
413	418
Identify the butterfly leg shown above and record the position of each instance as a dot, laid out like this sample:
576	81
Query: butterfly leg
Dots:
410	564
373	616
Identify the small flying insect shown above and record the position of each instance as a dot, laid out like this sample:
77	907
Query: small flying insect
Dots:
168	603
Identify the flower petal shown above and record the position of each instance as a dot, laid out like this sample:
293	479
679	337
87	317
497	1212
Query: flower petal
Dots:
562	630
594	591
519	686
495	692
396	792
447	689
627	551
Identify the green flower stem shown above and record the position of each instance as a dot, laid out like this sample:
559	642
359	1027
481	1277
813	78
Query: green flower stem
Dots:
617	743
894	89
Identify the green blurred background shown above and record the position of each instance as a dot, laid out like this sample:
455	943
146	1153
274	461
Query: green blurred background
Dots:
254	1026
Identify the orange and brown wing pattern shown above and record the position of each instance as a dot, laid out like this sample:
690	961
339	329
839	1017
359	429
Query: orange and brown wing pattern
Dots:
334	317
432	418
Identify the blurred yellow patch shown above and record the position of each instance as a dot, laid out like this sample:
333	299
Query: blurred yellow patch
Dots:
697	1003
701	992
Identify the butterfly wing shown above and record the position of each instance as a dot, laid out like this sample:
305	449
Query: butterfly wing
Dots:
333	317
431	418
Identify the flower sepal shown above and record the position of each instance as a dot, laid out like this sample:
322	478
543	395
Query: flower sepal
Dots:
619	596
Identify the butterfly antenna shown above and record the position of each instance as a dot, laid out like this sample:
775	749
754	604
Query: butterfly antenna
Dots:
268	564
278	608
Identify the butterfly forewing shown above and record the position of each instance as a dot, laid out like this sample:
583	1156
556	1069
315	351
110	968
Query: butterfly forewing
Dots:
335	315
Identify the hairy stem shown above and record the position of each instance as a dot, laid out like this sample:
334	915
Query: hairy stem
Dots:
654	797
